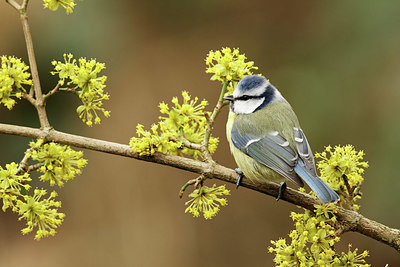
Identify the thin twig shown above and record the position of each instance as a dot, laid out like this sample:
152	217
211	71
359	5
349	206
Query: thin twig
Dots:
69	90
40	104
24	5
34	167
52	92
195	182
14	4
187	143
211	120
23	165
29	98
31	91
349	188
350	220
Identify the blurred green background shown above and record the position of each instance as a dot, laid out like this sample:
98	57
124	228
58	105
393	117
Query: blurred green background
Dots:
337	63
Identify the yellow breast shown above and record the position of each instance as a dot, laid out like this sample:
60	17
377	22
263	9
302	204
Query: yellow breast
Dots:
250	167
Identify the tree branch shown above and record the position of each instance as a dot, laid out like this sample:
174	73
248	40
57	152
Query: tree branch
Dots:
349	220
40	104
13	4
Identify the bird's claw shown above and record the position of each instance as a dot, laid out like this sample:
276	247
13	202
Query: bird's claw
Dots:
239	177
282	188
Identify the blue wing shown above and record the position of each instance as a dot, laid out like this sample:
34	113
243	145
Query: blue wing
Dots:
273	150
324	193
304	150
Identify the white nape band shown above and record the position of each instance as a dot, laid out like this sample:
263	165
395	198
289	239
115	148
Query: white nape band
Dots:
258	91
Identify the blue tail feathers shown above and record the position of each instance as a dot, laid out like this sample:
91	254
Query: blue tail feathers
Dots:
324	193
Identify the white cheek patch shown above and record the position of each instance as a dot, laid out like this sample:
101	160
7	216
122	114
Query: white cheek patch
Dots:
247	106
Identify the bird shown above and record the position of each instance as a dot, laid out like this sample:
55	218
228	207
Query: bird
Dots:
266	140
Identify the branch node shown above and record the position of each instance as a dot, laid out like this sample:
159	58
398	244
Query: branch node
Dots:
196	182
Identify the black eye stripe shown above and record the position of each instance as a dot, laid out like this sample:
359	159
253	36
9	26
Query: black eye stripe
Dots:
247	97
243	97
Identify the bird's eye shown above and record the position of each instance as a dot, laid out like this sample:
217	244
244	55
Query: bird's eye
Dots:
244	97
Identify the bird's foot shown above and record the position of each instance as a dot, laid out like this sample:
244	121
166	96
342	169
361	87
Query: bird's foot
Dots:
239	177
282	188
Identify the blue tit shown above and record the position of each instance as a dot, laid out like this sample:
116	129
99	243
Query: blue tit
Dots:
266	140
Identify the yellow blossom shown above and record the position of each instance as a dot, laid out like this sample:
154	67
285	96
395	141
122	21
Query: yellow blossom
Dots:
207	200
59	163
11	185
13	76
40	213
55	4
312	241
342	168
228	65
83	77
186	120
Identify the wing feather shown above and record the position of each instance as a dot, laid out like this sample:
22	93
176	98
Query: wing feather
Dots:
304	150
274	151
271	150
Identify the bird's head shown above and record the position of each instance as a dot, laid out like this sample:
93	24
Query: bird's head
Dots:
251	94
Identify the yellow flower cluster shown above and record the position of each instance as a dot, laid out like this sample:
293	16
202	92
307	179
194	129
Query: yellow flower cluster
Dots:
58	163
40	213
11	185
13	75
207	200
342	168
55	4
186	121
228	65
312	242
88	85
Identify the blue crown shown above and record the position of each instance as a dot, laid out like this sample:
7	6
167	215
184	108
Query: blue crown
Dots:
250	82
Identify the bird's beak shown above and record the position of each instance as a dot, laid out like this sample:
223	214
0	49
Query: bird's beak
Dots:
229	97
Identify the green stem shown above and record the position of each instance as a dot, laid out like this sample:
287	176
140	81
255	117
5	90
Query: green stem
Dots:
183	190
223	91
52	92
211	120
69	90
